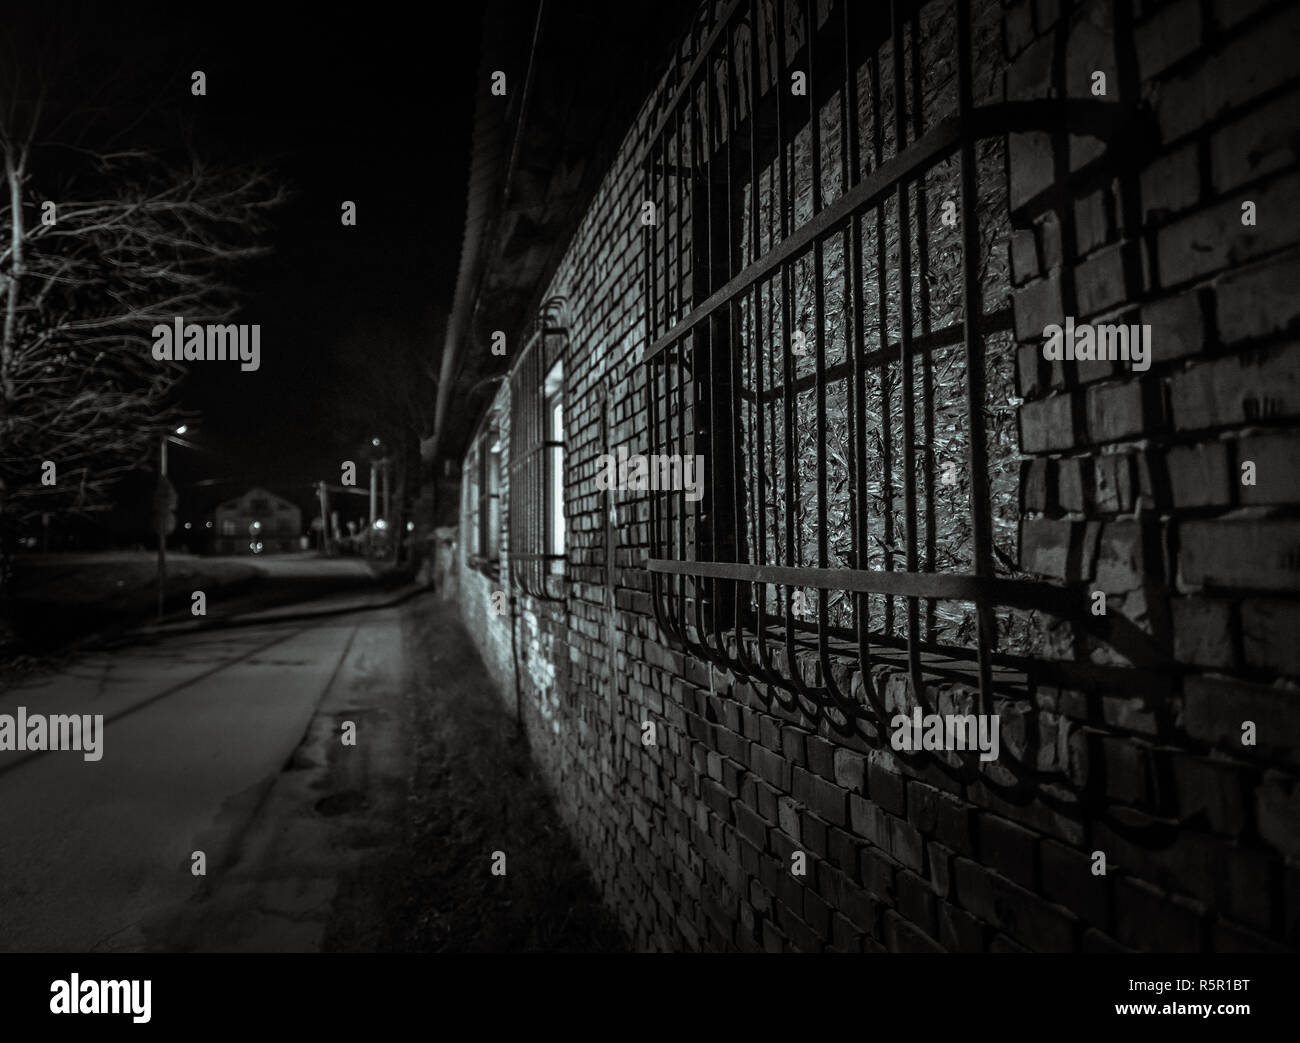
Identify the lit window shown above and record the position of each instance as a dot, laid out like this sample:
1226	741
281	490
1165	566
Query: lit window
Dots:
472	528
555	463
536	481
489	505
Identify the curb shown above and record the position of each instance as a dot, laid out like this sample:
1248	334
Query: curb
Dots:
250	619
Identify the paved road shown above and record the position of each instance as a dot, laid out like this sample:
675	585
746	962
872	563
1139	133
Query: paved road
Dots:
198	731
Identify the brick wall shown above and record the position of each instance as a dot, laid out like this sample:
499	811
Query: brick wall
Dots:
1131	484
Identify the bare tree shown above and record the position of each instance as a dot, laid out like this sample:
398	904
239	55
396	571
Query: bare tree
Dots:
101	240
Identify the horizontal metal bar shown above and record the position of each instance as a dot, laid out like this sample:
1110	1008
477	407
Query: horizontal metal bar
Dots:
705	54
930	149
536	557
946	585
992	322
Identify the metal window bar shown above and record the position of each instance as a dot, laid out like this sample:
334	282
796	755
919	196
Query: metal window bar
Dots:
489	492
737	166
533	568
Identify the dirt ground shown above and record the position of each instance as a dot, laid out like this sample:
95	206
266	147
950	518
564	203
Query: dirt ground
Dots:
473	791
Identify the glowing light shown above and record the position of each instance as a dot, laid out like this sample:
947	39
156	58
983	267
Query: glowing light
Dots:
182	429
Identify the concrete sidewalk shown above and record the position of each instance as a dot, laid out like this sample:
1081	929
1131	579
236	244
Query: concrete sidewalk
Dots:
317	608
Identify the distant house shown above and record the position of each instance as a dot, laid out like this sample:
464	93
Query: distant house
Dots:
259	522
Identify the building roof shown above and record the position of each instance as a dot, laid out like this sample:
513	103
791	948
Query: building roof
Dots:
576	73
239	502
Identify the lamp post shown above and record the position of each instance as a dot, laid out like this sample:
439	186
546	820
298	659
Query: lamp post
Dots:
164	503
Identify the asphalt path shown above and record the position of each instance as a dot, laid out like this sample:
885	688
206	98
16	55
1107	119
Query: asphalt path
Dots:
198	729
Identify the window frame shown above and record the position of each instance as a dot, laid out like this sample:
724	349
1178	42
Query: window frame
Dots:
537	520
482	499
556	539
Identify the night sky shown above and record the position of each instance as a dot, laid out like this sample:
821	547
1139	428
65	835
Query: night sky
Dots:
363	103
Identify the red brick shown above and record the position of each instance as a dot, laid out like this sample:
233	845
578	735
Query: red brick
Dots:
1215	707
770	767
1121	410
876	871
916	902
1068	880
1030	77
1259	301
820	756
1099	282
1230	937
844	935
1261	554
1127	557
1177	326
1242	388
792	745
1019	28
813	832
1258	143
1055	548
1009	849
1198	475
825	798
1229	12
1092	221
1269	627
1249	66
1035	492
842	851
1097	942
901	936
1036	305
717	799
1114	483
1214	239
1209	787
1089	47
1171	34
1277	478
1074	484
885	786
1030	365
1024	256
850	770
1202	634
1033	169
936	814
1153	921
751	826
958	930
1277	810
1024	916
939	859
1047	424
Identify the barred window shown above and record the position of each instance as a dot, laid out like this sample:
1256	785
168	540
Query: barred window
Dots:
828	327
537	462
483	501
472	529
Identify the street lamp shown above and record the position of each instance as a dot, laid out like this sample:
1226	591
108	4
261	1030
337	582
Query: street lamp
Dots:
163	505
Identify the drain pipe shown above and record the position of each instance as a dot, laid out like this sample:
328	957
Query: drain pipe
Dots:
514	655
